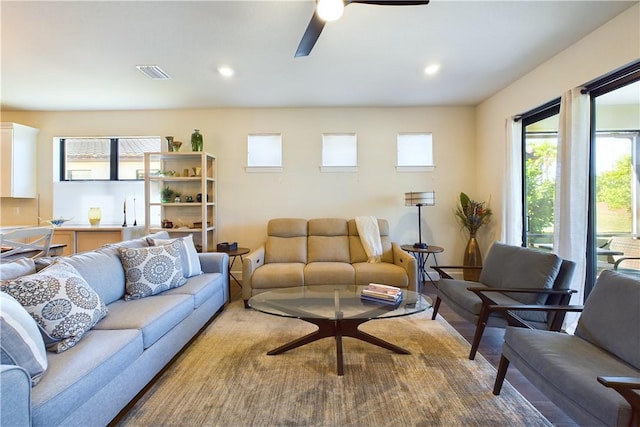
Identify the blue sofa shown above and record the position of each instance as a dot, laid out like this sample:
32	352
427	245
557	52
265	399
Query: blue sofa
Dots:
90	383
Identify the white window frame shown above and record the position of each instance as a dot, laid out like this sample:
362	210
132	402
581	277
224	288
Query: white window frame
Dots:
339	152
264	152
415	152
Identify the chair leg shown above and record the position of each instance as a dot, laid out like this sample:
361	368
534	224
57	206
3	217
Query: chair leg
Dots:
436	306
502	372
482	323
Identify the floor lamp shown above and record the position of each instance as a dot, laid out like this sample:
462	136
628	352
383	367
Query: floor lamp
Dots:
420	199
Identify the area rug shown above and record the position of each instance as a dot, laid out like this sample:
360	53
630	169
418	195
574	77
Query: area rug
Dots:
225	378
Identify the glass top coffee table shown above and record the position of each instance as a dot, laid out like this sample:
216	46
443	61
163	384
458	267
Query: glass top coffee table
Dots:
337	311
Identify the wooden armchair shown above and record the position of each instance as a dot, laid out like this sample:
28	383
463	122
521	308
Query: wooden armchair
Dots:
512	277
571	369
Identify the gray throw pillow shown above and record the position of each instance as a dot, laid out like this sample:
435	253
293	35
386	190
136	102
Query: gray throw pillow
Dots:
20	341
61	301
190	260
151	270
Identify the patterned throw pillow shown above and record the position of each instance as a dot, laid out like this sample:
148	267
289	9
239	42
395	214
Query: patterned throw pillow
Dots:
149	271
20	341
61	301
190	261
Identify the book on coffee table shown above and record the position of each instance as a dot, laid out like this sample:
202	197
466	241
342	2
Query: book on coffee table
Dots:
381	294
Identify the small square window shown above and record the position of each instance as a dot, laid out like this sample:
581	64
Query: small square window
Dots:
339	150
264	151
415	152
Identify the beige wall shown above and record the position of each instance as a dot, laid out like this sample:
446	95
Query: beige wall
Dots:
613	45
248	200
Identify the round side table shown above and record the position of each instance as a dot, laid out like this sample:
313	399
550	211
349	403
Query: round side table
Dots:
232	259
422	256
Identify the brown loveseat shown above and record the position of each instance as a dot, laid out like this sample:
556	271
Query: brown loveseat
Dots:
300	252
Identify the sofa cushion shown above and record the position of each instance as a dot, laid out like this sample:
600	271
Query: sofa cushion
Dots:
74	376
328	240
20	341
509	266
384	272
356	250
278	275
329	273
286	240
154	316
190	261
61	301
149	271
200	287
17	268
102	269
567	362
614	301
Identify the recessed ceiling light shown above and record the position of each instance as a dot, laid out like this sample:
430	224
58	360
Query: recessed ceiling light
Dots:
225	71
432	69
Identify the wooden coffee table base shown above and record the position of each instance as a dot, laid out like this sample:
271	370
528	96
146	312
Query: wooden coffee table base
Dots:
337	328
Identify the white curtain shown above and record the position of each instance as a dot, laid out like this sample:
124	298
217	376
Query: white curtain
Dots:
512	205
572	189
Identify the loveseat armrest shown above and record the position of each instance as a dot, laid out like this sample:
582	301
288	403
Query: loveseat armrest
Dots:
408	262
558	312
15	396
440	269
250	263
626	386
214	262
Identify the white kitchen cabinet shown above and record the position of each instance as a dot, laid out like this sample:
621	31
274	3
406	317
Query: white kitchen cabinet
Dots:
18	160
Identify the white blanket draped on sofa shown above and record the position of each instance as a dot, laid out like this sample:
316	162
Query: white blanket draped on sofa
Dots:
370	237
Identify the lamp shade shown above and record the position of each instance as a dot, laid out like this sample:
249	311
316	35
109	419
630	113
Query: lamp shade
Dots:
416	198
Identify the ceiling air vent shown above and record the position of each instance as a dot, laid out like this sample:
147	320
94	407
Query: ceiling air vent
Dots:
153	72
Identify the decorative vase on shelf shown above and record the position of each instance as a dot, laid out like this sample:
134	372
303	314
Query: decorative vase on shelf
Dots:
95	215
169	143
472	257
196	140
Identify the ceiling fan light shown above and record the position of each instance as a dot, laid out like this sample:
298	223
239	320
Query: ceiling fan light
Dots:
432	69
330	10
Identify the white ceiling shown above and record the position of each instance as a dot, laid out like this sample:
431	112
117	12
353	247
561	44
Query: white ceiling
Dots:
81	55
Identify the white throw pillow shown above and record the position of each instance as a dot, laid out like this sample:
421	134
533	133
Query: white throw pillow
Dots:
61	301
20	341
149	271
190	261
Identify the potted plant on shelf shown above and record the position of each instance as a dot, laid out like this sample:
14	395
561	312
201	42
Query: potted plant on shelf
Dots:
165	194
472	215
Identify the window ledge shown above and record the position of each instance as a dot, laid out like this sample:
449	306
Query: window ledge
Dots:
338	168
430	168
263	169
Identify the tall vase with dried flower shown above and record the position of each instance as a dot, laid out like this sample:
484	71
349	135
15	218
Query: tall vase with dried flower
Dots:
472	215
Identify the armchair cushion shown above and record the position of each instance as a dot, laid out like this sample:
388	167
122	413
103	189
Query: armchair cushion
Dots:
618	303
516	267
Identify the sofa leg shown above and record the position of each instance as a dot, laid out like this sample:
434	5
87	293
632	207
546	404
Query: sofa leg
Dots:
502	372
246	303
436	306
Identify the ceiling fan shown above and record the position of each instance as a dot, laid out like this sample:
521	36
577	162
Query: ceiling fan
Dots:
311	34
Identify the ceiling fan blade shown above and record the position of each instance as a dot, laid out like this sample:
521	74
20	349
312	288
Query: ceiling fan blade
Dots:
389	2
310	36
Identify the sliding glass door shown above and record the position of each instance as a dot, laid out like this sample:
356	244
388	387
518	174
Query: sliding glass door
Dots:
614	175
